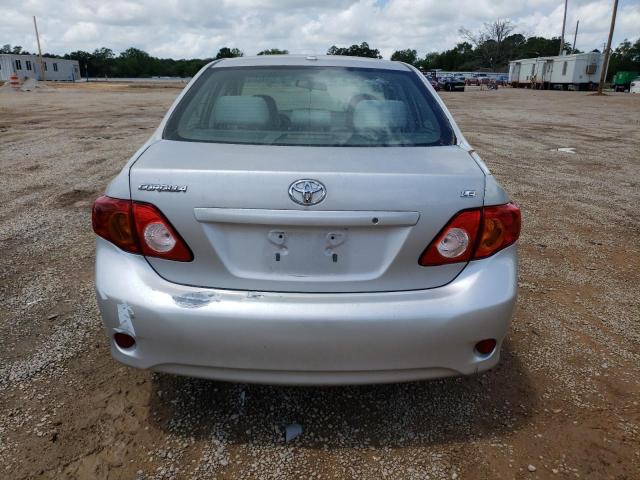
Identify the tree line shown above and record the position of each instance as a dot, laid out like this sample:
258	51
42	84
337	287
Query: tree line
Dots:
488	49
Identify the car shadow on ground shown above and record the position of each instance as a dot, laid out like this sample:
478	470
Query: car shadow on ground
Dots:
394	415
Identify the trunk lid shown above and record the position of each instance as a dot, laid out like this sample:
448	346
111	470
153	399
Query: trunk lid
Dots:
382	208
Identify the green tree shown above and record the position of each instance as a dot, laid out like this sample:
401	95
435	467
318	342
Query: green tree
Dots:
83	59
460	57
409	56
489	41
430	61
226	52
538	47
362	50
274	51
625	57
134	62
103	62
17	50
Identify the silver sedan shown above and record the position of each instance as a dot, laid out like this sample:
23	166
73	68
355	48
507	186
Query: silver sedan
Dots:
307	220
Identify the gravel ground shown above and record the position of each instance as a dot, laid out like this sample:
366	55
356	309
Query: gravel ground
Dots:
563	403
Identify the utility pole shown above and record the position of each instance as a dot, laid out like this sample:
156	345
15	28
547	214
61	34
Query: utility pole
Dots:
35	25
605	65
564	22
575	36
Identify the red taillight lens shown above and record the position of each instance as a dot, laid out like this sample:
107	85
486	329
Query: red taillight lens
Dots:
157	237
455	242
138	228
474	234
112	219
500	228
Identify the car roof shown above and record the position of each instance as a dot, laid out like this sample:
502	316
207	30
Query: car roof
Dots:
310	61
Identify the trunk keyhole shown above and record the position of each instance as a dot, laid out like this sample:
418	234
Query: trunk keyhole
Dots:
278	257
335	258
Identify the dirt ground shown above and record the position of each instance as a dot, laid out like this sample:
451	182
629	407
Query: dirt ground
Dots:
563	403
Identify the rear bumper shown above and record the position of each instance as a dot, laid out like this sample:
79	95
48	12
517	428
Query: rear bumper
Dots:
296	338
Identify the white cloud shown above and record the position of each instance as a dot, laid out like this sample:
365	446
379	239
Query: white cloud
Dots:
192	28
81	32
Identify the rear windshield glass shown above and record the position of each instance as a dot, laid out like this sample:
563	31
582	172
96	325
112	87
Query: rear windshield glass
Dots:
318	106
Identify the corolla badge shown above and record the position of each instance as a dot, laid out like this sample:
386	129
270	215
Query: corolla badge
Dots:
307	191
151	187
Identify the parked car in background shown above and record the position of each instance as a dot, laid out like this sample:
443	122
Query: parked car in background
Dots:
307	220
477	79
502	80
451	83
432	78
434	83
634	86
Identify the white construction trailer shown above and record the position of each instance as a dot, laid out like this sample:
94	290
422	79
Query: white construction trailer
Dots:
580	71
28	66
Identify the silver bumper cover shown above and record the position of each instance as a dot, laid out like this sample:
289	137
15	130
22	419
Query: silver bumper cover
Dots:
302	338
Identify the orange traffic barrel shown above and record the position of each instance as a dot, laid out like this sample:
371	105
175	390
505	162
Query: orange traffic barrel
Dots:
14	81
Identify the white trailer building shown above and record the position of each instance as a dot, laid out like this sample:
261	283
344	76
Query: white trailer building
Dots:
28	66
581	70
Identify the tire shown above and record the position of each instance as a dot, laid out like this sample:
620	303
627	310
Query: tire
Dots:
447	87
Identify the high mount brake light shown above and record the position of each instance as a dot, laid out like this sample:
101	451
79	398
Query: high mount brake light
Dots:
138	227
474	234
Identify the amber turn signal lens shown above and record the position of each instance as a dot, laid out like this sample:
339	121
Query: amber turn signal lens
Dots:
500	228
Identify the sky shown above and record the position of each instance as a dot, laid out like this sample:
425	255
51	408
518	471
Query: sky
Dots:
198	28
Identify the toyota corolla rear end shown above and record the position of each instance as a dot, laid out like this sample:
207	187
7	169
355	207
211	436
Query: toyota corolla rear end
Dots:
307	220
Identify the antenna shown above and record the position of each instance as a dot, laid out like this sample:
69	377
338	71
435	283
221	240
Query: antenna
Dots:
35	25
575	36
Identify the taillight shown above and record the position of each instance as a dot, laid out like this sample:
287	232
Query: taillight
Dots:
474	234
456	240
138	227
500	228
112	219
157	236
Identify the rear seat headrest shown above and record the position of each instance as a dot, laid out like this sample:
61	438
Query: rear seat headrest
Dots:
380	114
240	111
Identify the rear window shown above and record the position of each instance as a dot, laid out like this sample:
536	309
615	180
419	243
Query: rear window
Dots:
316	106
